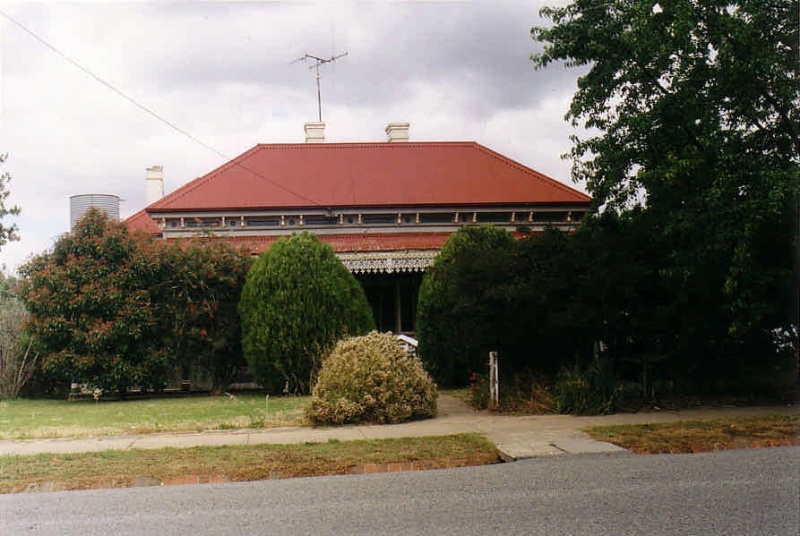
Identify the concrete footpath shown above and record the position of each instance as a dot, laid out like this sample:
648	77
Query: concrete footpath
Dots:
515	437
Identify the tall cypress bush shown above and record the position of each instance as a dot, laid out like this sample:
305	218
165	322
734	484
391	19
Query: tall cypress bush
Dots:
297	301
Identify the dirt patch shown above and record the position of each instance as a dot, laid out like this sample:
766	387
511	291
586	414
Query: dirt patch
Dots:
450	406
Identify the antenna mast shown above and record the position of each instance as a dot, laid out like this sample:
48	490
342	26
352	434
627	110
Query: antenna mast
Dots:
317	62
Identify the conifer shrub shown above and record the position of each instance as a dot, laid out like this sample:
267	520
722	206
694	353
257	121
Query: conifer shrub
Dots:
371	379
464	308
297	301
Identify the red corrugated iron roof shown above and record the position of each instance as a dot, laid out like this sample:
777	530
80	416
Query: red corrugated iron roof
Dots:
367	175
354	242
141	221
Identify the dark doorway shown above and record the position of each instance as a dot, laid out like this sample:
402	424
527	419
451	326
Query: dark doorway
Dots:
393	298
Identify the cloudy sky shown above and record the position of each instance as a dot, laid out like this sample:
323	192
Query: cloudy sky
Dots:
220	71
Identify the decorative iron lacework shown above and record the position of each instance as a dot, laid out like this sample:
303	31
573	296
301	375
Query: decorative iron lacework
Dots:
373	262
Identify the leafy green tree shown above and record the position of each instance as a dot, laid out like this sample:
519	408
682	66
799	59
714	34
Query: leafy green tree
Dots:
692	111
463	310
547	303
680	90
7	232
91	316
622	295
297	301
525	298
196	298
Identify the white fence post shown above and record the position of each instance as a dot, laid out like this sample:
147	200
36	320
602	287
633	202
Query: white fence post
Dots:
494	382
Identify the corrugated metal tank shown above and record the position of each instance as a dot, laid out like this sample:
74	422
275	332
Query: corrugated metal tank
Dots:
81	203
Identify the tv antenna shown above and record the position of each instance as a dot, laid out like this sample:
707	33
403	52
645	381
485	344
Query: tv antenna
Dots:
317	62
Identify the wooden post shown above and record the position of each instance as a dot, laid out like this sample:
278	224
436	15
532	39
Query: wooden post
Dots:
494	382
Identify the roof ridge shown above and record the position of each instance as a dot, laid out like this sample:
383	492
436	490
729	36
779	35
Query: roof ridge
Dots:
237	161
141	221
134	215
530	171
339	144
199	181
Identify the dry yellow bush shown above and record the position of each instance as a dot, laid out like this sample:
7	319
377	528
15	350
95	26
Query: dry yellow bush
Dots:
371	379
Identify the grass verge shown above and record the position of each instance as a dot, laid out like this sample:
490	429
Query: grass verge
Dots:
115	469
702	436
36	419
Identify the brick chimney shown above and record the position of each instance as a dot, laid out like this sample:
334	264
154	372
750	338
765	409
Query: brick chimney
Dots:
397	132
154	179
315	132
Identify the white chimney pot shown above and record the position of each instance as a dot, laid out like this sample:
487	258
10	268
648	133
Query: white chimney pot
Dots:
315	132
154	180
397	132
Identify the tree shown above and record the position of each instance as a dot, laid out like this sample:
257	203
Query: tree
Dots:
7	232
17	361
678	88
693	112
524	297
548	302
297	301
196	299
91	315
621	296
463	310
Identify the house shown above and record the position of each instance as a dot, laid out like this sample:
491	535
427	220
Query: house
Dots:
386	208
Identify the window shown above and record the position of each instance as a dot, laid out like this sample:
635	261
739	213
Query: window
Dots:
549	217
201	222
378	219
321	219
263	221
494	217
436	217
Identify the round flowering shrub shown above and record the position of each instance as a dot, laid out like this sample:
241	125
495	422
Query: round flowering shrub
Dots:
371	379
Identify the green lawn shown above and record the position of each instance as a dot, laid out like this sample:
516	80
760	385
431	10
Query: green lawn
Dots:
29	419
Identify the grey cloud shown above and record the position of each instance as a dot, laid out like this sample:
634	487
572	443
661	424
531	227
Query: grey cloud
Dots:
457	70
484	46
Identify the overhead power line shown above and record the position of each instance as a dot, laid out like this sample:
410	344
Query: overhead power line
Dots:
145	109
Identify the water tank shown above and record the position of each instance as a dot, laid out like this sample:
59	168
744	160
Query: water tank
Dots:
81	203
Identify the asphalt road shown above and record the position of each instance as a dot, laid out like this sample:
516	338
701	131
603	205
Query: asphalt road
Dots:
747	492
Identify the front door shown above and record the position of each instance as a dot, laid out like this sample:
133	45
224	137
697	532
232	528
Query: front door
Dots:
393	298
